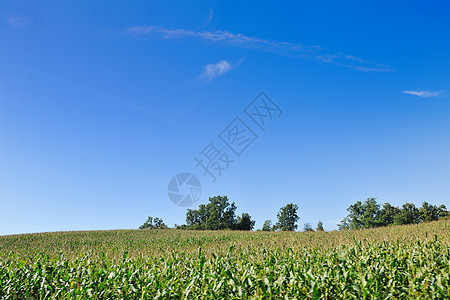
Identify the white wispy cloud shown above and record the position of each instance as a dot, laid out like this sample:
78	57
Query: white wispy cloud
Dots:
211	71
264	45
423	94
210	16
17	21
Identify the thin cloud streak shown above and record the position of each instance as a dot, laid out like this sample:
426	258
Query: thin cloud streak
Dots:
263	45
423	94
212	71
17	21
210	16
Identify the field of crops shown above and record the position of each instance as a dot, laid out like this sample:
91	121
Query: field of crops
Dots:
386	263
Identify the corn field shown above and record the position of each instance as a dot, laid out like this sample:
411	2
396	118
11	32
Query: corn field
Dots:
402	262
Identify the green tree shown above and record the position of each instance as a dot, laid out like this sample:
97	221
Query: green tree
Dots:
287	218
218	214
369	214
319	226
355	216
442	211
196	218
371	211
387	214
307	227
344	224
362	215
428	212
245	222
267	225
153	223
409	214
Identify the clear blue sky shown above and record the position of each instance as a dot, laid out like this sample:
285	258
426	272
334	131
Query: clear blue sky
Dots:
101	104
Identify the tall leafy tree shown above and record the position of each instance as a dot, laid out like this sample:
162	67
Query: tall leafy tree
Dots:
442	211
387	214
355	216
362	215
287	217
196	218
371	211
218	214
344	224
409	214
245	222
319	226
153	223
267	226
221	214
307	227
428	212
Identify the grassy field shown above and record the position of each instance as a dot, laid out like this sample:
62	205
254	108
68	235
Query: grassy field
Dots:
401	262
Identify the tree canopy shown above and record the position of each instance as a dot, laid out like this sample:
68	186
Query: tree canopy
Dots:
218	214
153	223
267	225
319	226
370	215
287	218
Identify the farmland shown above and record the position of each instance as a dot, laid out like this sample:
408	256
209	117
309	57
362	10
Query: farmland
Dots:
411	261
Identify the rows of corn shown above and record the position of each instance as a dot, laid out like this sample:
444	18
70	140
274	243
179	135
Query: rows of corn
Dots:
401	262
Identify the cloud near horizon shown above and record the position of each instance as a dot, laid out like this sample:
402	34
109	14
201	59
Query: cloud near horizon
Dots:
423	94
212	71
263	45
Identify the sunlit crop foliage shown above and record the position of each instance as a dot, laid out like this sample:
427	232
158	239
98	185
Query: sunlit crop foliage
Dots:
386	263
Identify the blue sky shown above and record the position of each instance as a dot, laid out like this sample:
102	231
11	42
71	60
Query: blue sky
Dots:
102	104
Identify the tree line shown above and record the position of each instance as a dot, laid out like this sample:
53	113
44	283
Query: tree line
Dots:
370	214
220	214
